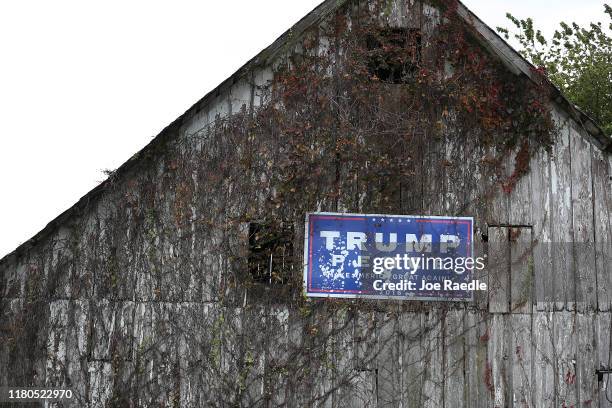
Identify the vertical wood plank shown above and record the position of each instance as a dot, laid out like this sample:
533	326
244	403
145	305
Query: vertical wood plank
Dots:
564	326
478	379
412	193
521	270
563	260
454	360
460	170
413	365
603	328
519	200
277	355
433	183
498	353
602	205
586	359
362	391
347	376
477	208
100	380
481	249
498	266
56	353
433	345
249	321
193	386
544	360
498	204
583	229
522	392
388	362
240	96
364	382
452	180
298	323
541	217
323	381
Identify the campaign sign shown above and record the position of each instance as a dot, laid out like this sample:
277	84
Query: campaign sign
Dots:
389	257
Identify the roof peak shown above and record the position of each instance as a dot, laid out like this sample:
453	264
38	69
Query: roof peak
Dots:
489	38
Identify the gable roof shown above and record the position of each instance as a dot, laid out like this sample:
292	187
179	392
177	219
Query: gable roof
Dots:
520	66
487	36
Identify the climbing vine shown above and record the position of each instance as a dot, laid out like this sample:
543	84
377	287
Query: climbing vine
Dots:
368	117
365	113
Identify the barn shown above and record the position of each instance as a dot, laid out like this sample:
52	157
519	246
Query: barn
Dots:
178	281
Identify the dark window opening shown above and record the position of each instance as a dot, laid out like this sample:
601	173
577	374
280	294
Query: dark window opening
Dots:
394	54
270	252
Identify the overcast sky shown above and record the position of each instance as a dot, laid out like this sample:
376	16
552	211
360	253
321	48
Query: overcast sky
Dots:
86	84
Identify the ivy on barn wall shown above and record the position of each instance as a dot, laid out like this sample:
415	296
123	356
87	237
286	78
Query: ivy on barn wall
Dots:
345	127
336	136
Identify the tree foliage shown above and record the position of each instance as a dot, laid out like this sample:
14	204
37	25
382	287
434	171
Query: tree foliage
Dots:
577	59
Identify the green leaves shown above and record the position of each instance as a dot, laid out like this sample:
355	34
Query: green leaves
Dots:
577	59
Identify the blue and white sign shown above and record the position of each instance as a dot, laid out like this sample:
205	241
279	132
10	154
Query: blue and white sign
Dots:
390	257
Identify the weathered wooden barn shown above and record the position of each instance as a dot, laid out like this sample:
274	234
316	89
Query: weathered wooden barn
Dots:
177	281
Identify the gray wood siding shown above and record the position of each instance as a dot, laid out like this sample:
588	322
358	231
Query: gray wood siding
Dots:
135	294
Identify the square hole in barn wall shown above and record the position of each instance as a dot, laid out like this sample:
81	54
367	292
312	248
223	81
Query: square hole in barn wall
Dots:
270	258
394	54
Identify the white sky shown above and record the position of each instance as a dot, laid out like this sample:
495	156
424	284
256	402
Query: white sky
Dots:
84	85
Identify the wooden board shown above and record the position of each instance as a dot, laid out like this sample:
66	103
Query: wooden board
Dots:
498	201
477	366
481	249
500	369
603	329
433	352
521	270
602	196
587	357
545	295
544	364
519	200
389	361
413	365
277	355
582	222
433	183
521	360
563	259
364	346
454	360
498	267
564	356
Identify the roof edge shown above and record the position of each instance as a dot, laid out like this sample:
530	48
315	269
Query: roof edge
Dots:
520	65
268	53
498	45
